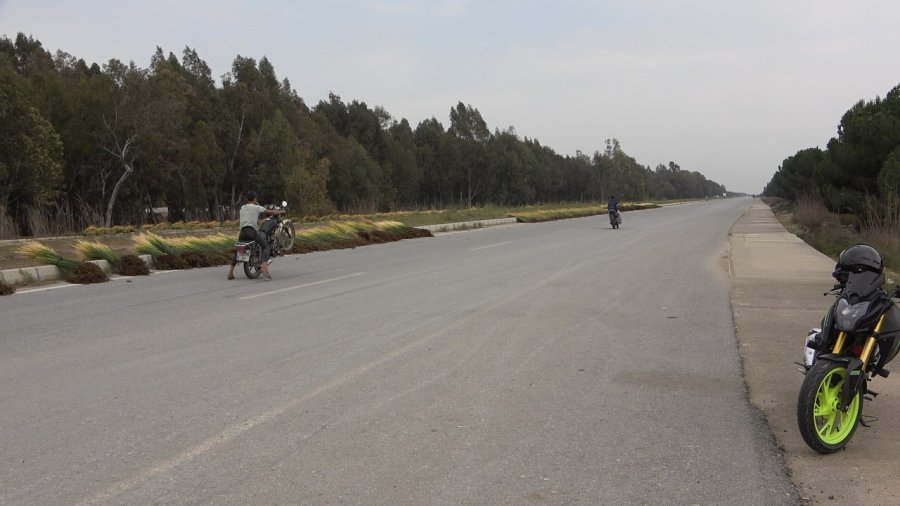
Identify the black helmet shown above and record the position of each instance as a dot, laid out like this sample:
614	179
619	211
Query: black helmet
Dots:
860	257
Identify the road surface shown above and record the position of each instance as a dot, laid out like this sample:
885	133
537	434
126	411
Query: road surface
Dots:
553	363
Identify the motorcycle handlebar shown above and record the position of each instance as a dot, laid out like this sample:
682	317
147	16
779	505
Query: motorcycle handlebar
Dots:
834	290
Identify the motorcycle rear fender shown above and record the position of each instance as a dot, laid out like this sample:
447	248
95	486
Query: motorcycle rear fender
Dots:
856	376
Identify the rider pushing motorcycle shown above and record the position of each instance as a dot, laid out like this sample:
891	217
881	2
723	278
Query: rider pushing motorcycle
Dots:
249	216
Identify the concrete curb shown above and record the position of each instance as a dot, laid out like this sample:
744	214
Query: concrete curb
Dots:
464	225
45	273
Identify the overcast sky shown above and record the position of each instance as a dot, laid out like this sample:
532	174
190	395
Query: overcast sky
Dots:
725	88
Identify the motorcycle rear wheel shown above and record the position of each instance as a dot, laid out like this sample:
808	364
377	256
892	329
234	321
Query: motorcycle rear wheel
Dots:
253	267
824	427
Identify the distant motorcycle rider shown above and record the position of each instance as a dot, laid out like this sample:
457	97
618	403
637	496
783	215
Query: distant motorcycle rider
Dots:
613	204
249	216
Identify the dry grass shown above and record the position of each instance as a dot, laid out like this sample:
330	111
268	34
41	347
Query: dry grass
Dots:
46	256
812	214
94	250
8	227
831	233
151	244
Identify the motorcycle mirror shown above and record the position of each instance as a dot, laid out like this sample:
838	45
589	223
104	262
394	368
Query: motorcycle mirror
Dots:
284	203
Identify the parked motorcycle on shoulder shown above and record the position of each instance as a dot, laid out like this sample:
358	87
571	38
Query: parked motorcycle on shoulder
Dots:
615	218
860	334
280	234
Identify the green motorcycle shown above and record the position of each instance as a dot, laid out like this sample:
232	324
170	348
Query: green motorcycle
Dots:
860	334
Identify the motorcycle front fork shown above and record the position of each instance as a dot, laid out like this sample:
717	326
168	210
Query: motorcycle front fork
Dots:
868	347
860	374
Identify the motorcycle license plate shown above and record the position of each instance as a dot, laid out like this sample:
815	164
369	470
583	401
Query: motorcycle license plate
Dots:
243	254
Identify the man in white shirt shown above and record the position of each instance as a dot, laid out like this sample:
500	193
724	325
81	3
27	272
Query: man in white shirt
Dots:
249	216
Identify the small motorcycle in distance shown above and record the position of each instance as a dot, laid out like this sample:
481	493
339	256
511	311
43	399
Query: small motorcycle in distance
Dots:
860	335
280	234
615	218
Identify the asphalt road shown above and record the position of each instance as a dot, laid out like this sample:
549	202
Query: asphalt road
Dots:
554	363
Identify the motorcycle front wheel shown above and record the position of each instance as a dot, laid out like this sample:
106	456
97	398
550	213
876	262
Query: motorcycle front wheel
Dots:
253	267
286	238
824	427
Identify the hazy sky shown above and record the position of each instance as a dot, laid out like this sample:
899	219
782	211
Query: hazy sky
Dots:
726	88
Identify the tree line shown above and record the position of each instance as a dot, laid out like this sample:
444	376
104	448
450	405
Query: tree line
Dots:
859	165
105	144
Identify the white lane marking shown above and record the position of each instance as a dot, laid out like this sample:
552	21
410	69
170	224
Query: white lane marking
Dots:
282	290
51	287
491	245
235	431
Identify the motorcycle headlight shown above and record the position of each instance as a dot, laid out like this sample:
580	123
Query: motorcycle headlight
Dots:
846	315
810	350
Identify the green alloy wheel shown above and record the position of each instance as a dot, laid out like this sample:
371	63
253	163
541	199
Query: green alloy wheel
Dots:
824	427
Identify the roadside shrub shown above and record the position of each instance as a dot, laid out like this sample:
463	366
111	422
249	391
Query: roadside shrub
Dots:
47	256
811	213
201	259
93	250
87	273
7	289
168	262
133	265
151	244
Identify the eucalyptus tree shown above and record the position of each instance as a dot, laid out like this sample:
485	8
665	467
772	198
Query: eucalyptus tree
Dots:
438	153
406	175
514	169
365	127
242	109
31	152
467	125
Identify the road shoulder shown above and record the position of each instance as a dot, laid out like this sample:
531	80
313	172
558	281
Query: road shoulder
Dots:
777	286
